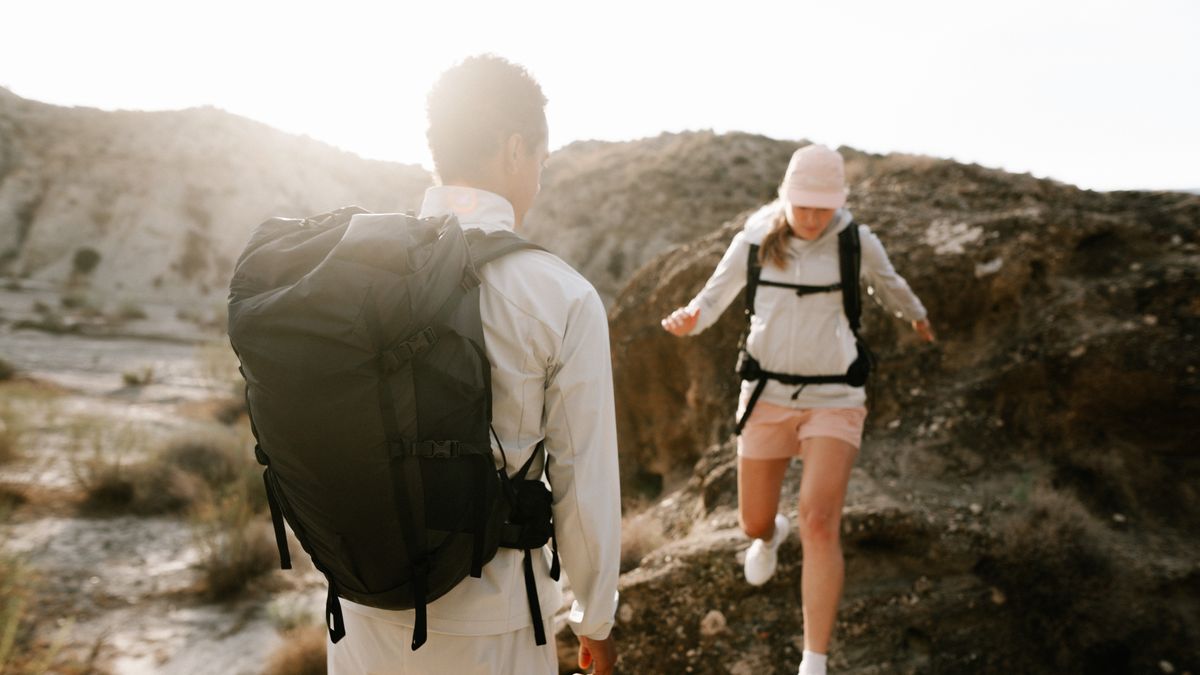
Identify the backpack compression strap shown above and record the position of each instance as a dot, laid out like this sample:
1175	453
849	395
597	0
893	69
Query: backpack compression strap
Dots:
484	248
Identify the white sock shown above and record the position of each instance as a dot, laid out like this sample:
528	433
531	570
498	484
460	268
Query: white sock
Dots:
813	663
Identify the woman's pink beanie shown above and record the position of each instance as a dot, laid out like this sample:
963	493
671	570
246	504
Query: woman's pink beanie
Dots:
816	178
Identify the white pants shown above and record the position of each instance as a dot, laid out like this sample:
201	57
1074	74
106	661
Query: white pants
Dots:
373	647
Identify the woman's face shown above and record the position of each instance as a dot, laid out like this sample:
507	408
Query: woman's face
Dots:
807	222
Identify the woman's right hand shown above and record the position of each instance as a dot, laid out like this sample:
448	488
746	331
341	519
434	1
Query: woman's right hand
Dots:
681	321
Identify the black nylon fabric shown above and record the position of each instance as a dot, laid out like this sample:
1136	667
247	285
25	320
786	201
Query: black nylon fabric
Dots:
319	312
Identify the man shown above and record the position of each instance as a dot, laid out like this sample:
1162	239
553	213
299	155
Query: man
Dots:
546	336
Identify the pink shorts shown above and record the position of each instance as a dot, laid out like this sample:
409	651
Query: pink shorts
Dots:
776	432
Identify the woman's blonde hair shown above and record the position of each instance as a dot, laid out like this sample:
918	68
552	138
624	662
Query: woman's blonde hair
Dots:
774	249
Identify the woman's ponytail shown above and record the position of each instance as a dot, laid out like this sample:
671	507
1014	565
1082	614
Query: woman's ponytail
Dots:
774	249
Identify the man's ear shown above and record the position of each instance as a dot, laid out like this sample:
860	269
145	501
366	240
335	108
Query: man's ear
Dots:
514	149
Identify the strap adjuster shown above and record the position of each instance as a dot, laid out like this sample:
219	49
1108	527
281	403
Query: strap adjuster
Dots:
428	449
392	359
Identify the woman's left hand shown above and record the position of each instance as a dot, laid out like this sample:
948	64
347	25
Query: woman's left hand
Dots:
924	329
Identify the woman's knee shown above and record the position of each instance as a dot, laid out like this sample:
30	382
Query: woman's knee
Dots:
758	528
819	525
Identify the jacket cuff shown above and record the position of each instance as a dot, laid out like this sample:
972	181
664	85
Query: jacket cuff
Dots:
593	632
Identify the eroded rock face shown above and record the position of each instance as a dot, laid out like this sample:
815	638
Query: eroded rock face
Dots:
1066	319
167	199
1023	481
608	208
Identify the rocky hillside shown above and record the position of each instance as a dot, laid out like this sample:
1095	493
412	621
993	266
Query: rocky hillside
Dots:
165	198
1026	497
608	208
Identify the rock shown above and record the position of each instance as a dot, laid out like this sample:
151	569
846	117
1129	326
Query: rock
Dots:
712	624
998	597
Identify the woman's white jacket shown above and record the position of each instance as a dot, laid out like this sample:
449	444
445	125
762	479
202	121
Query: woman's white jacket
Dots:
803	335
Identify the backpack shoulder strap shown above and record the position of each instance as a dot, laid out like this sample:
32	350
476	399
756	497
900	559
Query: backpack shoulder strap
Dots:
850	263
486	247
753	272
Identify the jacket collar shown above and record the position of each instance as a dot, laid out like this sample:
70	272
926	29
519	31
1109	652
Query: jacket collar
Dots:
481	209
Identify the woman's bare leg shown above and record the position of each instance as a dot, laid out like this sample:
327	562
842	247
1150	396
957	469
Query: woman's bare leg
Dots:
759	481
827	464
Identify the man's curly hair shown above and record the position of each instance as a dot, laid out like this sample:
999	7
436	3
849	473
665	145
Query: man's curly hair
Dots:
475	106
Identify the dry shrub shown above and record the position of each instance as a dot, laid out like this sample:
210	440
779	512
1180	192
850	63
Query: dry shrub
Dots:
302	653
237	545
8	437
99	461
187	472
138	378
130	311
7	370
640	534
1063	577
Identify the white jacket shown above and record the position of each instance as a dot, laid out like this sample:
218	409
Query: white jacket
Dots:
546	336
803	335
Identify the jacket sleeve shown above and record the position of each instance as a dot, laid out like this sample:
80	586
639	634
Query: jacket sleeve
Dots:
723	286
581	438
888	288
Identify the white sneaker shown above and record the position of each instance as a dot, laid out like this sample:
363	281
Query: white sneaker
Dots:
763	556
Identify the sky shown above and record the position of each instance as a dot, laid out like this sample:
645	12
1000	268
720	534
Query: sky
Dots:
1102	94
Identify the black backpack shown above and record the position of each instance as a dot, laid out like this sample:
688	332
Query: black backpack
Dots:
369	393
849	264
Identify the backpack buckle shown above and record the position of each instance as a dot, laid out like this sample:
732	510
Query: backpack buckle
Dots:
443	449
390	360
427	449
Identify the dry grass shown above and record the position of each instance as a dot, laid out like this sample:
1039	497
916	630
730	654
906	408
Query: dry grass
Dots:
302	653
138	378
25	405
641	534
20	653
237	545
187	472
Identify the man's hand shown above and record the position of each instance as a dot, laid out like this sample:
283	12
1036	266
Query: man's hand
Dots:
681	322
603	653
924	329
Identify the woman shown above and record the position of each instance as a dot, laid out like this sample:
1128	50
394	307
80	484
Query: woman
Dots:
803	393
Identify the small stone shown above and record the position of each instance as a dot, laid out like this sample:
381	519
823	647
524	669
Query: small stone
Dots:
713	623
1166	666
1150	320
976	508
625	614
1119	517
1078	351
1176	240
915	391
998	597
1133	267
894	424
